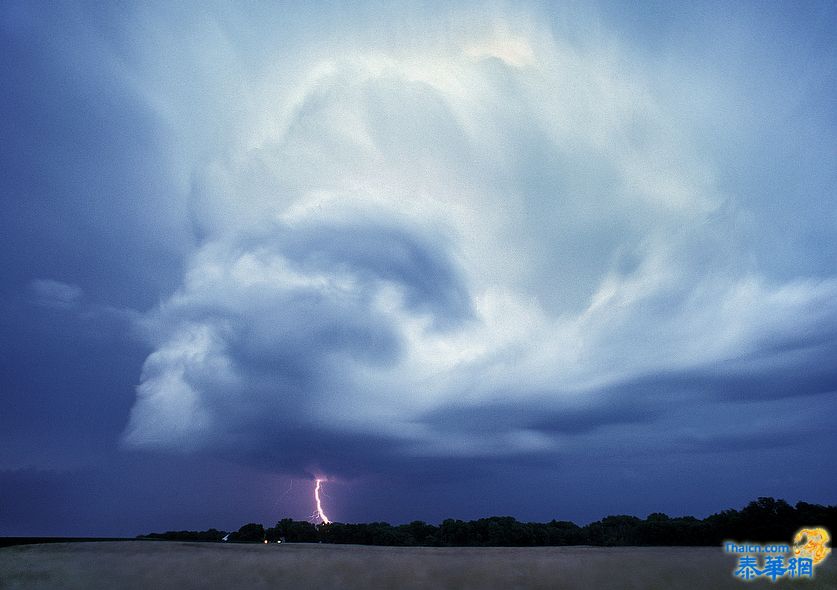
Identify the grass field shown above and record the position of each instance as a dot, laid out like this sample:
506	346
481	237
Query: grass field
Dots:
162	564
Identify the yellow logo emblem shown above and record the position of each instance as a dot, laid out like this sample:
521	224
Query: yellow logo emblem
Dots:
811	543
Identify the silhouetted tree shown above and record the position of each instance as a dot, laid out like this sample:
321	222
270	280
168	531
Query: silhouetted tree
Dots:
208	535
294	531
249	533
764	520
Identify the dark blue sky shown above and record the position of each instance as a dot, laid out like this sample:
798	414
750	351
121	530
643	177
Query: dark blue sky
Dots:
546	261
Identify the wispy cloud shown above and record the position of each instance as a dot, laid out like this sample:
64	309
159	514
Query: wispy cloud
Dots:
50	293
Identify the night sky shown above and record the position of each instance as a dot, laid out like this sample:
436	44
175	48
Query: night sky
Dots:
556	260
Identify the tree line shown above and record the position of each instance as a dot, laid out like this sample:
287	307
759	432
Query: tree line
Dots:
765	520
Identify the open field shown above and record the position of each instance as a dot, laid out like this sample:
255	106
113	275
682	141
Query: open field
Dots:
162	564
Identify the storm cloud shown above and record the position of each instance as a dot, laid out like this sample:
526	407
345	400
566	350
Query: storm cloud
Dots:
409	235
433	246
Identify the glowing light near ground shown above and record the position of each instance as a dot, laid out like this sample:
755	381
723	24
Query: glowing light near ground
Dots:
319	513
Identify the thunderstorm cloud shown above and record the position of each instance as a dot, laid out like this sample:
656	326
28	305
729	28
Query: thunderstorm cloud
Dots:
591	246
493	242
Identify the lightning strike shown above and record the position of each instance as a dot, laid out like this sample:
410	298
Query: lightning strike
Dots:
319	513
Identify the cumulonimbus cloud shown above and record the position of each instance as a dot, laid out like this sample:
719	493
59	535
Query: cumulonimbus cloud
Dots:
499	224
